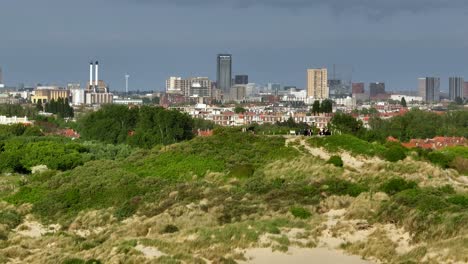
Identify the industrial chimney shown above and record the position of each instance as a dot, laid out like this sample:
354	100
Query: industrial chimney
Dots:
97	75
91	74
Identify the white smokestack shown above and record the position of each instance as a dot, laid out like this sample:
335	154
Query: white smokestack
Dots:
90	75
97	74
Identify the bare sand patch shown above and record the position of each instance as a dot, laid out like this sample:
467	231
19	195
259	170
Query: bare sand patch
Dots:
150	252
300	256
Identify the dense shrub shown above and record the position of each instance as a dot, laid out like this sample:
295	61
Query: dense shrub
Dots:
168	229
334	186
396	185
356	146
143	127
336	160
300	212
10	218
394	153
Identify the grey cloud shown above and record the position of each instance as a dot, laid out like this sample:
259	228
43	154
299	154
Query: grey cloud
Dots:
372	7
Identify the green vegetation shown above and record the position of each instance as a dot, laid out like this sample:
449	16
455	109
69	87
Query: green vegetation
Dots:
17	110
61	107
428	213
450	157
354	145
142	127
300	212
421	124
207	197
391	151
336	160
325	107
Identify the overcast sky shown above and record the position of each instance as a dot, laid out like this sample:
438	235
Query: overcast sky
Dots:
394	41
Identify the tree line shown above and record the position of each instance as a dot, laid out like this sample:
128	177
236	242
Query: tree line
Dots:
414	124
326	106
60	107
141	127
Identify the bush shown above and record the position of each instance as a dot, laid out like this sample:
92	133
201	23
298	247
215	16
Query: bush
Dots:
300	212
336	160
169	229
10	218
335	186
242	171
396	185
394	154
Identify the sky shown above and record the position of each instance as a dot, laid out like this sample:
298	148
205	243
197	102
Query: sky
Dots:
391	41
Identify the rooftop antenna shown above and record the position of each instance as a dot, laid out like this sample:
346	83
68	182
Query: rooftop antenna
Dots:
126	83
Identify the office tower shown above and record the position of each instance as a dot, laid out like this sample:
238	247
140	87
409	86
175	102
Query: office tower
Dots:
339	81
432	90
238	92
422	88
465	92
224	73
317	83
199	90
358	88
1	76
456	86
376	88
274	88
178	85
241	79
174	85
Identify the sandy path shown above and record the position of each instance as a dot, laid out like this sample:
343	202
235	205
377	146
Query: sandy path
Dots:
300	256
347	158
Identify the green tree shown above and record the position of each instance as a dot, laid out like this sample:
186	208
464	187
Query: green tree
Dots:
326	106
39	106
239	110
316	107
403	102
346	124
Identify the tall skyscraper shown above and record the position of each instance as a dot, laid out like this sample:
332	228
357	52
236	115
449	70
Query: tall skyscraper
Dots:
376	88
456	86
422	88
224	73
358	88
465	92
1	76
432	90
317	83
241	79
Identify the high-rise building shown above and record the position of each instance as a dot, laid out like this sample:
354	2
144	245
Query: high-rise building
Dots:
241	79
456	86
376	88
317	83
224	73
432	90
358	88
339	81
422	88
238	92
174	85
465	92
178	85
1	76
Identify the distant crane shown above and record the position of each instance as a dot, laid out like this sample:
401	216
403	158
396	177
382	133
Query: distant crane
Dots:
126	83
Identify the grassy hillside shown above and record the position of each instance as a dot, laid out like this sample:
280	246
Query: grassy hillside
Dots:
206	198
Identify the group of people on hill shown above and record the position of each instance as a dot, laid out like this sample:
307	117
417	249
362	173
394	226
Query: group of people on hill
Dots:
309	132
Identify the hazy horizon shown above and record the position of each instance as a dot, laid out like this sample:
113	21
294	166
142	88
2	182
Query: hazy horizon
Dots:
270	40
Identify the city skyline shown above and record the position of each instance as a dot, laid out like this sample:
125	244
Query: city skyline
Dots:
384	42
